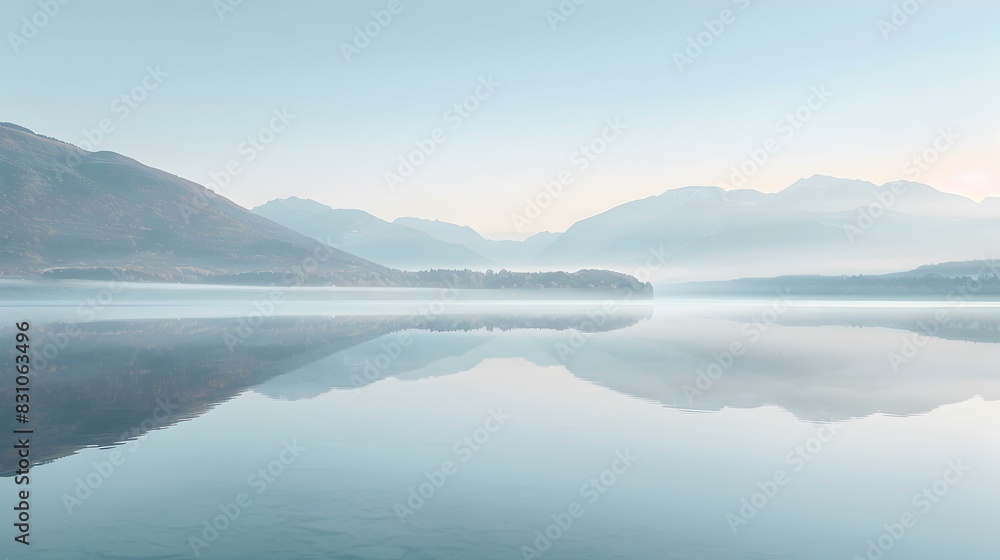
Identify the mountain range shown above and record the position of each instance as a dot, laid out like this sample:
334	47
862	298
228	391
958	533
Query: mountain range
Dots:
69	213
72	213
408	243
66	209
818	225
955	282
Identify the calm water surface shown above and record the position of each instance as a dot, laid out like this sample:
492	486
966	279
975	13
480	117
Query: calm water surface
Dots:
685	431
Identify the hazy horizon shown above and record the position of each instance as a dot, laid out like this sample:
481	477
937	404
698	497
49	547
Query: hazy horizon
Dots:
557	279
521	236
872	89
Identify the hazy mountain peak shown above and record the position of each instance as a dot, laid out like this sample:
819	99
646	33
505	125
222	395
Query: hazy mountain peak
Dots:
64	206
909	184
293	203
743	197
17	127
828	182
933	200
355	214
60	144
411	222
695	192
501	252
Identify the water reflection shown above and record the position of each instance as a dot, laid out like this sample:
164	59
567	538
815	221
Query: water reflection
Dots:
116	380
758	431
102	383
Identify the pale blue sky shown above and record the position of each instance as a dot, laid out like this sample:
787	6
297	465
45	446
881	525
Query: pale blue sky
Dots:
610	59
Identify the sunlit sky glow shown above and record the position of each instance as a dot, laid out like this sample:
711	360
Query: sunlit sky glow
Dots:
352	120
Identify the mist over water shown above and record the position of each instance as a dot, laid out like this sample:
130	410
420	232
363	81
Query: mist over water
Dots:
538	284
361	423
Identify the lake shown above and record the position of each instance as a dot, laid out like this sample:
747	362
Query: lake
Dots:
422	427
